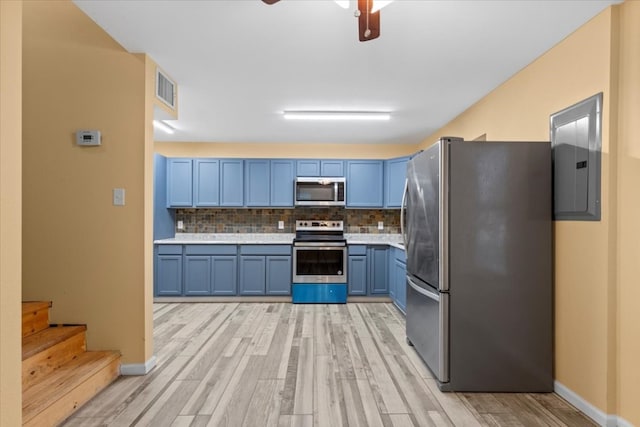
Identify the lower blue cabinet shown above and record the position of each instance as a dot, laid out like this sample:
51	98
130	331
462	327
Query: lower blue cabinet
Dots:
378	263
252	275
357	275
224	274
278	275
210	275
197	275
169	275
400	281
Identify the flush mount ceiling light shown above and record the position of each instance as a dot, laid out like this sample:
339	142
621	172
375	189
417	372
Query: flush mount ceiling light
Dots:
336	115
163	126
368	14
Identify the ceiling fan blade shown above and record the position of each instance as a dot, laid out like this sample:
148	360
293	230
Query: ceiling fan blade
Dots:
270	1
368	23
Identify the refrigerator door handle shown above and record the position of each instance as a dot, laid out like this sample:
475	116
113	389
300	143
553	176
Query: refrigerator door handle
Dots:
403	207
431	295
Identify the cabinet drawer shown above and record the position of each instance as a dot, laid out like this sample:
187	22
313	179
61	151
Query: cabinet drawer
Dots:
169	249
265	250
210	250
401	255
357	249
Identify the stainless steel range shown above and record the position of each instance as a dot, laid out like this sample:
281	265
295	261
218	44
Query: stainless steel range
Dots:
319	262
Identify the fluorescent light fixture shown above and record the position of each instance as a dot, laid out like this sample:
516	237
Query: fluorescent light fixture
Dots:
163	126
343	3
336	115
379	4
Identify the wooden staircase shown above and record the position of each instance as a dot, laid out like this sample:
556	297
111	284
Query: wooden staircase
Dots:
58	373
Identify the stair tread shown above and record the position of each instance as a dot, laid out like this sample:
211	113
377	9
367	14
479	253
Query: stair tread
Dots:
54	386
46	338
30	306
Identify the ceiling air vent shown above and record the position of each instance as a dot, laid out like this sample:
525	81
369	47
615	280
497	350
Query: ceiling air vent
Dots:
165	89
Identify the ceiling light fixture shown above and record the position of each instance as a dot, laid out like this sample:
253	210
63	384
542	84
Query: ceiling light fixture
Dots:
377	4
163	126
336	115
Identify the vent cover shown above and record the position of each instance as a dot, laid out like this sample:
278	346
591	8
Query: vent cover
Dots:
165	89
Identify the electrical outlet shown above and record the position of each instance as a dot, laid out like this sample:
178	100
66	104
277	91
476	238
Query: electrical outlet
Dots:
180	225
118	197
280	225
380	225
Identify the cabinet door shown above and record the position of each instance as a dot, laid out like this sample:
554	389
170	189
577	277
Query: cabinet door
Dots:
378	260
179	183
332	168
308	167
225	276
394	176
231	182
169	275
400	278
256	182
391	274
278	275
282	176
357	275
252	275
197	275
206	182
364	183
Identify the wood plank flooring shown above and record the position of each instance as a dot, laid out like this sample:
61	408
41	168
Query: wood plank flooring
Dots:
279	364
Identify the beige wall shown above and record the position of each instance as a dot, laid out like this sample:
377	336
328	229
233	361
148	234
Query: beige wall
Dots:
629	213
90	258
291	151
597	343
10	211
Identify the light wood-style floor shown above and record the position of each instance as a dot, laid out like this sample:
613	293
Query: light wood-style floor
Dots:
278	364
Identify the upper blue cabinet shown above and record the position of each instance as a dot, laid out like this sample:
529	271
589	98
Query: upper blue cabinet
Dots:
179	183
269	182
231	182
395	173
206	182
316	167
365	183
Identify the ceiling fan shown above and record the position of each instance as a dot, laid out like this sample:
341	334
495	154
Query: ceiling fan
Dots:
368	14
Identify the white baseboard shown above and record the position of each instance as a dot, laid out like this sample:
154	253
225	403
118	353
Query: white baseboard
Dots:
138	368
605	420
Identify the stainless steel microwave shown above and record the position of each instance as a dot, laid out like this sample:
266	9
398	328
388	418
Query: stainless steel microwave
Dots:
320	191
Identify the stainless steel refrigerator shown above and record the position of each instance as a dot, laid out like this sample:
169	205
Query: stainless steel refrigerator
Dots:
478	236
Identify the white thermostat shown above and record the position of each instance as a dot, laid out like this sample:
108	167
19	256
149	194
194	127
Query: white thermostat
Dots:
88	137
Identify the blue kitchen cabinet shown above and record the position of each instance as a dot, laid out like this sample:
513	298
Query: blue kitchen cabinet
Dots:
231	182
265	269
179	183
168	270
278	274
252	275
392	279
224	274
282	178
308	167
357	275
257	173
316	167
206	182
399	278
377	264
365	183
334	168
395	172
197	275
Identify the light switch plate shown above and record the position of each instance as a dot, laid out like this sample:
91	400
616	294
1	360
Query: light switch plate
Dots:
380	225
180	225
280	225
118	197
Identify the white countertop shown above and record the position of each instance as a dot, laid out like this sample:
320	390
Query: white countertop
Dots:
394	240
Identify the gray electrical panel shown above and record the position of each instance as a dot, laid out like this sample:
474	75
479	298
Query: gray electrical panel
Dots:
576	142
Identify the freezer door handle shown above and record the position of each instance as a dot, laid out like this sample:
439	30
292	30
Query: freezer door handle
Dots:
431	295
403	207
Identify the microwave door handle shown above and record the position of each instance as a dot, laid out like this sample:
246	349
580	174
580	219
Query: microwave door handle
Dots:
403	207
335	191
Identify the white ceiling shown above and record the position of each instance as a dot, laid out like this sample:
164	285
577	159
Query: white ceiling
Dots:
240	63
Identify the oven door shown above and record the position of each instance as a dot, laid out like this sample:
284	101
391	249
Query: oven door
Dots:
319	262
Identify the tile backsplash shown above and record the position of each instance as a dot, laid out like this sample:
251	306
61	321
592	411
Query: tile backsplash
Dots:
266	220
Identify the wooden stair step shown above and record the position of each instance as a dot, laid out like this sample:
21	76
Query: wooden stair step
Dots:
58	394
35	316
48	338
49	349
